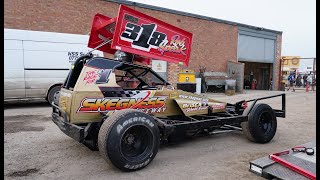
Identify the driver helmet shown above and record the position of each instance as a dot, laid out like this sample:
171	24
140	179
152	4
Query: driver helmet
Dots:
123	56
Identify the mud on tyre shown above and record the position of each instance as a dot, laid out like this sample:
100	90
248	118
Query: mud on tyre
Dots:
261	125
129	139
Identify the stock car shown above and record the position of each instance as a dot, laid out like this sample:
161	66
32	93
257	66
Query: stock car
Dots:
126	110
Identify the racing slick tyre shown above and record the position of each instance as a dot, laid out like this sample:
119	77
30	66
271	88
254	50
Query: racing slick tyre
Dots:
261	125
129	139
54	94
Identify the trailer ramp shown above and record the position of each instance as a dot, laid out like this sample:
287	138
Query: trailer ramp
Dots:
270	169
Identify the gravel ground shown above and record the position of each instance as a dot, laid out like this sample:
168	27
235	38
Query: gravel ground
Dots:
34	147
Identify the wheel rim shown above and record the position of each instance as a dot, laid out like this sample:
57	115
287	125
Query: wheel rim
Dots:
265	122
56	96
136	142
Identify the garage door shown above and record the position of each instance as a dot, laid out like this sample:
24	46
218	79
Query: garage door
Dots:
256	46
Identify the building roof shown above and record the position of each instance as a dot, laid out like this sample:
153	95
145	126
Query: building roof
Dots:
146	6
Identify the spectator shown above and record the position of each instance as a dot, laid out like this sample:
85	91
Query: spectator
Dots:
270	88
298	81
291	81
305	76
311	81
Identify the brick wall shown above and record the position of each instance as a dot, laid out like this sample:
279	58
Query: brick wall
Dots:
213	43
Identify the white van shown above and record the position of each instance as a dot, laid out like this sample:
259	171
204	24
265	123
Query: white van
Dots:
36	63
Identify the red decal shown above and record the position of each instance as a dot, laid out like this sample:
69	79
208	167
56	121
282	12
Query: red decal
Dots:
218	106
91	77
148	94
175	46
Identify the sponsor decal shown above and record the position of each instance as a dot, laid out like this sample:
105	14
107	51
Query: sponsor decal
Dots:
100	76
65	94
193	98
176	45
194	107
91	77
129	121
147	105
218	106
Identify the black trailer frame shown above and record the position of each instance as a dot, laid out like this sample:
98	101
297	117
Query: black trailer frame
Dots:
224	121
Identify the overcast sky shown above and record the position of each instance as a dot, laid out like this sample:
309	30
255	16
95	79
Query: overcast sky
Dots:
295	18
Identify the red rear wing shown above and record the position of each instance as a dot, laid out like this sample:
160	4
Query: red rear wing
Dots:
137	33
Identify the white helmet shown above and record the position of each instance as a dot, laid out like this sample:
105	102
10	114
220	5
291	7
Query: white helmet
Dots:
123	56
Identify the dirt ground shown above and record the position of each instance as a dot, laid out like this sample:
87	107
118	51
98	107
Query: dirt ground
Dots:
35	148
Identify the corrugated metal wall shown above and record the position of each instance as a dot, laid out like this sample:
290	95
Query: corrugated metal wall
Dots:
256	46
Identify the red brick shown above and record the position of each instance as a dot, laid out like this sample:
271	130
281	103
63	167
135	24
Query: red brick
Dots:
213	43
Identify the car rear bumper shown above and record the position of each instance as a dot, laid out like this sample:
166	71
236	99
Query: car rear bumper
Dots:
60	118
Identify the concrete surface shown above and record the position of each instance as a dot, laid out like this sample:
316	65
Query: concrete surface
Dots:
34	148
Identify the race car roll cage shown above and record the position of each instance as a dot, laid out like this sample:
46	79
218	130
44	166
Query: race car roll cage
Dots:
104	63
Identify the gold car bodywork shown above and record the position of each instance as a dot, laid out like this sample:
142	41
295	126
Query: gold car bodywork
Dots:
85	102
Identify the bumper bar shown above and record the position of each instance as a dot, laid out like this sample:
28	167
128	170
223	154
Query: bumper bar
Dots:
279	113
71	130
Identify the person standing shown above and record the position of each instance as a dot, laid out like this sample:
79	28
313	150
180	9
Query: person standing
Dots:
270	86
291	81
305	76
298	81
311	81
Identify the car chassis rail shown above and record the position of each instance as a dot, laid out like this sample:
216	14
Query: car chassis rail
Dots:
218	120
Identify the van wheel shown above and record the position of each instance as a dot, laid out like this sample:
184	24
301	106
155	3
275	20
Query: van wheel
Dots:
261	125
53	94
129	139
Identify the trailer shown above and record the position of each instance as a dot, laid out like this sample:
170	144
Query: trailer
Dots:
295	163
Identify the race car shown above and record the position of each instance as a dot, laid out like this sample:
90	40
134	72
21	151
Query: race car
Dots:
124	109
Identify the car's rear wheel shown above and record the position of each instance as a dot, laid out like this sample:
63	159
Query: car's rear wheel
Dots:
261	125
129	139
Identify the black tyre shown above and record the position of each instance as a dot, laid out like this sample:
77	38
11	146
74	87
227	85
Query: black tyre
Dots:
129	139
261	125
53	94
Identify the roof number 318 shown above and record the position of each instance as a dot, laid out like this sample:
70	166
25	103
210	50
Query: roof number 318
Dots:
143	37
